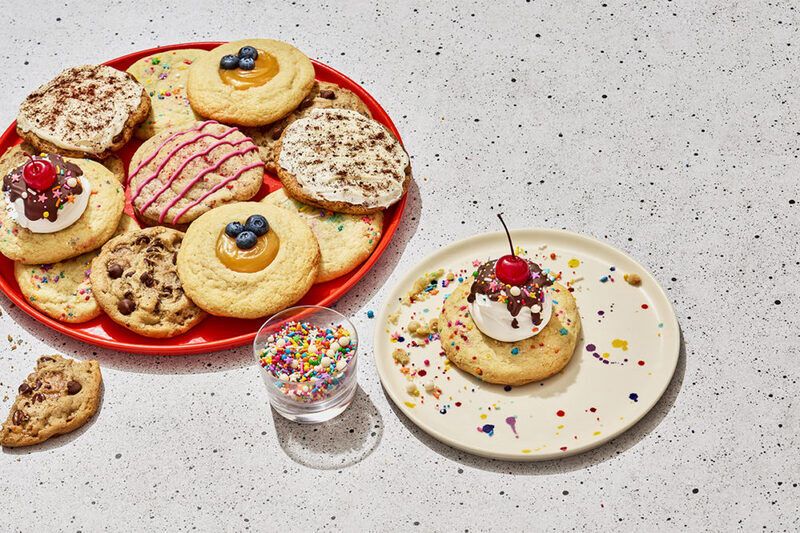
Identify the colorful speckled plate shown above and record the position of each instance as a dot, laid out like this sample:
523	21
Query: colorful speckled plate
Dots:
623	362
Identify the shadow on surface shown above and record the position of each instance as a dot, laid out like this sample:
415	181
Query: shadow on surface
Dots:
604	452
338	443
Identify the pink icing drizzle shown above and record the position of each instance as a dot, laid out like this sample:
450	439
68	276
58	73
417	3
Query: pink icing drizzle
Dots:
180	169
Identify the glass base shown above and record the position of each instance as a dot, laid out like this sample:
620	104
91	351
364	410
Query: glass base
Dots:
317	412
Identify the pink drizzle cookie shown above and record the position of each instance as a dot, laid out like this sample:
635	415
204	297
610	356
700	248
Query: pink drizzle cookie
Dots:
179	174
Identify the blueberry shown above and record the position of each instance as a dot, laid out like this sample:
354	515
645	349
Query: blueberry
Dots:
248	51
257	224
246	240
233	229
247	63
229	62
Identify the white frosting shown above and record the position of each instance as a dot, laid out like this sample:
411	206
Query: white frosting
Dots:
67	215
339	155
494	320
83	108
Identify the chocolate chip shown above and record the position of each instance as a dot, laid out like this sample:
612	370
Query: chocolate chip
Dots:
174	258
73	387
143	239
147	279
126	306
327	94
44	359
37	385
114	270
24	388
19	417
38	397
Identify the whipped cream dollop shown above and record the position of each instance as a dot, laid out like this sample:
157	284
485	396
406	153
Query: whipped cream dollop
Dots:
339	155
50	210
510	313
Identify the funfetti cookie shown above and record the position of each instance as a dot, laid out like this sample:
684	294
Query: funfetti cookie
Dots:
248	260
180	174
53	208
340	160
63	290
163	76
323	95
86	111
345	241
134	280
249	83
60	396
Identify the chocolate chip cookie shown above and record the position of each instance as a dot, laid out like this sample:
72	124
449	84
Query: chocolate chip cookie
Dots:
58	397
135	281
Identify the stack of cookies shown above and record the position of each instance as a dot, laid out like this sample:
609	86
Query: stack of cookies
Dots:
210	122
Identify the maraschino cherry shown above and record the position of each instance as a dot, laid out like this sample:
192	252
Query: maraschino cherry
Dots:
39	174
511	269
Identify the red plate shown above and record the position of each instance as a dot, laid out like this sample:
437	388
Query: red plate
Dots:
214	333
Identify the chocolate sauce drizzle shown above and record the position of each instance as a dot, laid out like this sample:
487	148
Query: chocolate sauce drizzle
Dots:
530	294
49	201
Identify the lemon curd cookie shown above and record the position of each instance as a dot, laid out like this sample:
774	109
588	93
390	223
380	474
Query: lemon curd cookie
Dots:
163	76
134	280
86	111
345	241
181	173
249	83
63	290
248	260
340	160
60	396
53	208
323	95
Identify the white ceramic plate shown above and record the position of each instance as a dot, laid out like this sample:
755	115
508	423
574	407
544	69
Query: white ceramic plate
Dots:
623	362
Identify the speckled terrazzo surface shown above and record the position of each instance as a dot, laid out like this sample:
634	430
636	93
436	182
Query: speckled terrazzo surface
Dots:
667	129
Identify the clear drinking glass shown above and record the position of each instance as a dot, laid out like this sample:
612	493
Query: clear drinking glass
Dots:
298	401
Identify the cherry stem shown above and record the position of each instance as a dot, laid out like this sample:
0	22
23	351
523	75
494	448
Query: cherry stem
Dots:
510	244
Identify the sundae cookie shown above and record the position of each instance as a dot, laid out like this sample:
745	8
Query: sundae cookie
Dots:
248	260
63	290
249	83
60	396
323	95
180	174
86	111
509	363
53	208
345	241
163	76
135	281
340	160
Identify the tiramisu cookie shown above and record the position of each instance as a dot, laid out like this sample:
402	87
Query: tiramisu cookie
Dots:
249	83
340	160
134	280
60	396
509	363
345	241
180	174
248	260
62	290
163	76
54	208
323	95
86	111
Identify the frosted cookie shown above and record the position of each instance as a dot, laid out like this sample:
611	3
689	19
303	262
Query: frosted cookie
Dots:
340	160
163	76
53	208
86	111
60	396
345	241
63	290
249	83
134	280
323	95
248	260
180	174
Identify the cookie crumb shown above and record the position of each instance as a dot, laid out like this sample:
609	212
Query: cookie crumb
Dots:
633	279
400	356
